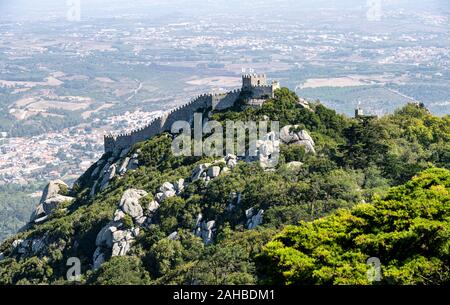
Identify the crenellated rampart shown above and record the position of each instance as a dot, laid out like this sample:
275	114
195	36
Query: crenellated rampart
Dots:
217	101
252	83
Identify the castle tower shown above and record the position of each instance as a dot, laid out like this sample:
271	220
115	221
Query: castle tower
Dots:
253	80
359	112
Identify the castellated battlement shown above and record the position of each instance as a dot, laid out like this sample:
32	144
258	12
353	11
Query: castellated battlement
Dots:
252	84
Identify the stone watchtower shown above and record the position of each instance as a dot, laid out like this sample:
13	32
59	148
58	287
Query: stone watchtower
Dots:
257	89
253	80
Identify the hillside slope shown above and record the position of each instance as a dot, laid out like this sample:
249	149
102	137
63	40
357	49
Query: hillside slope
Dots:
145	216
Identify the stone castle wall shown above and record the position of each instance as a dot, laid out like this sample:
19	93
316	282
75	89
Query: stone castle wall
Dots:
218	101
185	112
262	92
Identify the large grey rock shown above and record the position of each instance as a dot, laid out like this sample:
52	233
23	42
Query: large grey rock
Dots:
107	176
235	200
173	236
118	236
93	189
121	248
249	213
287	136
290	135
98	170
16	243
210	224
123	168
129	203
161	196
309	147
135	232
213	171
142	221
50	200
52	203
105	236
255	220
304	103
38	244
231	160
52	189
98	258
303	135
167	186
105	168
179	185
2	256
294	165
266	151
205	230
118	215
95	172
153	206
122	241
198	171
37	213
199	219
134	163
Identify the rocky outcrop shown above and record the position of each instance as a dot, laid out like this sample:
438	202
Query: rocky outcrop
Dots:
133	164
304	103
122	241
213	172
115	166
199	172
53	188
291	135
114	239
104	237
52	198
209	171
173	236
97	170
265	151
167	190
30	246
98	258
254	219
38	213
51	204
108	174
205	230
294	165
124	167
129	203
231	160
235	200
93	189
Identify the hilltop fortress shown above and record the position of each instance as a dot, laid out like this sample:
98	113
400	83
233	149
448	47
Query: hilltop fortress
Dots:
254	87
